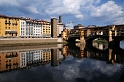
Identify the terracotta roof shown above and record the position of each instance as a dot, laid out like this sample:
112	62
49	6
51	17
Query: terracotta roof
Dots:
5	16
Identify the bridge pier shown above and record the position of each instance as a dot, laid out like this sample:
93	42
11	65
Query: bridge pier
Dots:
114	44
82	40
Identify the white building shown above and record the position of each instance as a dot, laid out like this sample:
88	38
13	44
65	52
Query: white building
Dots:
22	28
60	28
37	26
30	28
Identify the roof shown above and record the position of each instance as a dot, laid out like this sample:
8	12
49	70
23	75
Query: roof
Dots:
5	16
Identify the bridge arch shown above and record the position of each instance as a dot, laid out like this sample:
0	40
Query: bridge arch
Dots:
91	38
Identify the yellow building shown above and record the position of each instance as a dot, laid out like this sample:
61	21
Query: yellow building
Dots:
65	34
9	26
45	29
9	61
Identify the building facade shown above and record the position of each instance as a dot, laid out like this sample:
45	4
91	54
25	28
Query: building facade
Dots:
65	34
30	28
54	22
22	28
9	26
60	28
45	29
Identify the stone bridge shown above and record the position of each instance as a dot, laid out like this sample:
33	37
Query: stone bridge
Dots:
112	33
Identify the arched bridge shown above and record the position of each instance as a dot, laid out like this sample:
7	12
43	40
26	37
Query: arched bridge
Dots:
112	33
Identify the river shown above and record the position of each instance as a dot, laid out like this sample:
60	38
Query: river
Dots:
68	63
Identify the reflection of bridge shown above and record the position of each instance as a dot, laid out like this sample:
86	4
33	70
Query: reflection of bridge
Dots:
109	55
111	33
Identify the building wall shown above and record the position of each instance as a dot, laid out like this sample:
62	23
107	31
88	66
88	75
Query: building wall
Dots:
29	29
22	28
2	26
65	34
37	29
54	27
60	28
9	24
46	29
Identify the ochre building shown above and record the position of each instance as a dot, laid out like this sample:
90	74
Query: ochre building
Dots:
9	26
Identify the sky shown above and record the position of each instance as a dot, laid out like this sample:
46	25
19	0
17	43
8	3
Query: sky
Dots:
86	12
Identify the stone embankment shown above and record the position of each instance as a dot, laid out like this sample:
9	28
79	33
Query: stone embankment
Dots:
28	41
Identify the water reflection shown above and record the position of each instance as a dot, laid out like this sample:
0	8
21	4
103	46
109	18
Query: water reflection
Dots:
101	46
74	63
26	59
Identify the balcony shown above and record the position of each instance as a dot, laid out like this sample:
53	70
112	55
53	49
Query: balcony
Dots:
11	55
14	23
7	22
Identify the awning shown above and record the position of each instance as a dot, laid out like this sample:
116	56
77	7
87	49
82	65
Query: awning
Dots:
10	32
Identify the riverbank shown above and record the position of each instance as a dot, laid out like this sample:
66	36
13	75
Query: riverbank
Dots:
25	48
8	42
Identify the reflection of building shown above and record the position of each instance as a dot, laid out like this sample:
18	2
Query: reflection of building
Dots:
30	57
59	55
27	59
65	51
56	57
46	55
54	61
23	61
107	55
9	61
37	56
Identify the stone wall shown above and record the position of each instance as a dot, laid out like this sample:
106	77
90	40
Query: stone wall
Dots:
28	40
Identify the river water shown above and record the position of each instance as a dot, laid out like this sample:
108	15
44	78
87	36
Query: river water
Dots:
68	63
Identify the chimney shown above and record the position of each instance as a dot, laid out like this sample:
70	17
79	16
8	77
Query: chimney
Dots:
60	19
